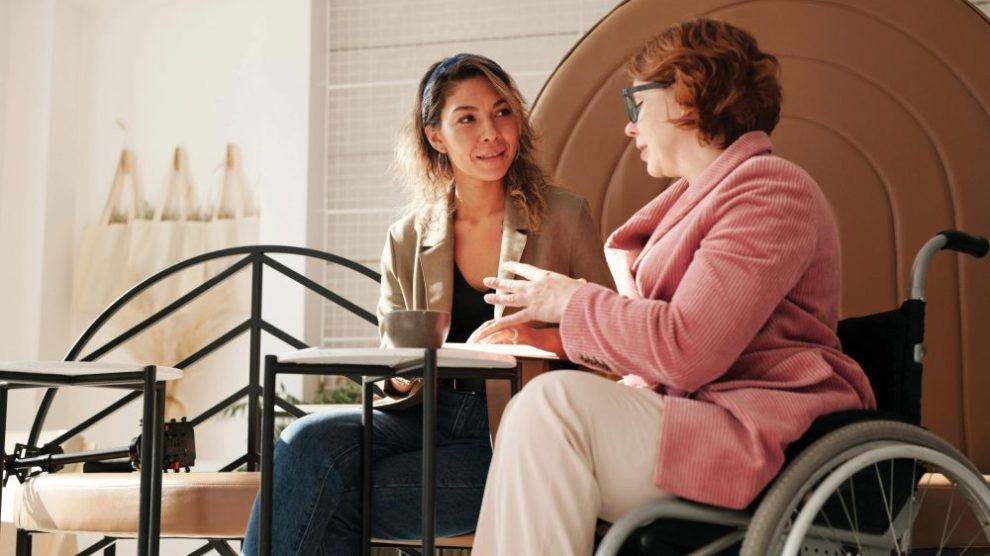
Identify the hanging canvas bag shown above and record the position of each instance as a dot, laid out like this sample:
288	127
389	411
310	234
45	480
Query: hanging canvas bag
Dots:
175	232
233	223
100	273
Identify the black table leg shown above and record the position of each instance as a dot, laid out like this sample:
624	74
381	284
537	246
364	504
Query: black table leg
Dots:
367	428
429	449
369	375
23	543
267	456
147	463
3	435
157	457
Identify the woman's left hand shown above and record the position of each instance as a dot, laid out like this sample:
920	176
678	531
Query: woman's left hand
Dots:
490	333
543	295
496	332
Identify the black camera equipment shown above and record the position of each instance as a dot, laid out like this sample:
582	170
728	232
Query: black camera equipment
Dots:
179	453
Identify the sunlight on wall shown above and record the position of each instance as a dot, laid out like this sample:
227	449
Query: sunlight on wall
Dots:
196	74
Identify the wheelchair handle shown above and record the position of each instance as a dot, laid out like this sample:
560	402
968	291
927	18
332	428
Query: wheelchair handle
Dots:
965	243
952	240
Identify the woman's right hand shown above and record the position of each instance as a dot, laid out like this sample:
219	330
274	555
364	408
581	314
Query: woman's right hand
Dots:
397	385
541	295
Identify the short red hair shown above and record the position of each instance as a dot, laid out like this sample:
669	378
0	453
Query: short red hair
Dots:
726	84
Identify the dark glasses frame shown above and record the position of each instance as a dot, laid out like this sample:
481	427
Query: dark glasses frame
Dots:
630	104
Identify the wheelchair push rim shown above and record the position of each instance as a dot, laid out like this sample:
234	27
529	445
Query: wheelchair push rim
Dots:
813	505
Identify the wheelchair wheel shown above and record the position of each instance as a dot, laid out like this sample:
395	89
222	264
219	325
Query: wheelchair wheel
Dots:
877	487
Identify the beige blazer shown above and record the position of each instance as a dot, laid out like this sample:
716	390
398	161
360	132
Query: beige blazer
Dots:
418	258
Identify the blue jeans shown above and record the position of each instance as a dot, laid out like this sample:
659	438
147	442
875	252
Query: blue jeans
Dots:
317	477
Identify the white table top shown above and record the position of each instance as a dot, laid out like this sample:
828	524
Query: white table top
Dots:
84	368
451	355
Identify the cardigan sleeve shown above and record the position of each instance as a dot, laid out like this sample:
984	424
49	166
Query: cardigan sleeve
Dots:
760	240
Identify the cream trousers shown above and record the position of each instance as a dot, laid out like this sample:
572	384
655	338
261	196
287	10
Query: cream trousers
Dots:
572	447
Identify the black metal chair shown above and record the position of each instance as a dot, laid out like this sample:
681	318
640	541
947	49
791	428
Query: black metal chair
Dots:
857	482
210	506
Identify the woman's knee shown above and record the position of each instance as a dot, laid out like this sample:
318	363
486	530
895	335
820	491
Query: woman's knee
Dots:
319	434
559	387
548	400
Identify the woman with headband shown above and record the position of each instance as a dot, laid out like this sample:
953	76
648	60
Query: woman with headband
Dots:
479	200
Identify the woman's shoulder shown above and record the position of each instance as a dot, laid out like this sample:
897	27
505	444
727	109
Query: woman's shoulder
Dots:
769	180
769	176
558	197
403	229
563	210
773	168
563	203
414	223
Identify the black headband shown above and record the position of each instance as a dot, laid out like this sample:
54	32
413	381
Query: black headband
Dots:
443	66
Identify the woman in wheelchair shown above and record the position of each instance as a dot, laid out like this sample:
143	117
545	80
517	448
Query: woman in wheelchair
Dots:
723	328
480	199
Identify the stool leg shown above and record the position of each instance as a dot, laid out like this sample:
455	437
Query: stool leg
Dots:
157	456
23	543
148	442
430	397
267	456
3	436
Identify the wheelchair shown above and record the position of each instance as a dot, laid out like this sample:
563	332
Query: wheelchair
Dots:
857	482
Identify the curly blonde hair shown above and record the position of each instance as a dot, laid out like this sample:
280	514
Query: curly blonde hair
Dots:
428	174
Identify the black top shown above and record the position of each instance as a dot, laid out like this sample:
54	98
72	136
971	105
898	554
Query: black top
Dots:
469	309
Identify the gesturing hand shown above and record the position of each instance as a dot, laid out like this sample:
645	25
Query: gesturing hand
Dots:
543	294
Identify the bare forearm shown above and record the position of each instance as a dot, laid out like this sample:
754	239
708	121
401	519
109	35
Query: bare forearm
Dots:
549	340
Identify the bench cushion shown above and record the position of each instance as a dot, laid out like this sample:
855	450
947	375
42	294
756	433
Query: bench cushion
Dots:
202	505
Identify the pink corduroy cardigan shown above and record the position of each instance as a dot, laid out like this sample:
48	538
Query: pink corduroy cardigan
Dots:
727	304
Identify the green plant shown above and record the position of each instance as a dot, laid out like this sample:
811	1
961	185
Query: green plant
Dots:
346	393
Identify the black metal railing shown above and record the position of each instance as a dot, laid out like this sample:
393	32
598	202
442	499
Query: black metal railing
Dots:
254	257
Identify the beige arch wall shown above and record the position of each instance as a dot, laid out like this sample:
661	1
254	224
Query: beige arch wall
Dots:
886	104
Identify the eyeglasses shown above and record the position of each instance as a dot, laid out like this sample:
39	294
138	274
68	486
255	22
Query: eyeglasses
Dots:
632	107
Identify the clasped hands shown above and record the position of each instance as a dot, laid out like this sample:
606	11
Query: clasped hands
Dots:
542	296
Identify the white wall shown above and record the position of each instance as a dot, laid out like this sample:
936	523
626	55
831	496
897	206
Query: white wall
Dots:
195	73
4	46
29	28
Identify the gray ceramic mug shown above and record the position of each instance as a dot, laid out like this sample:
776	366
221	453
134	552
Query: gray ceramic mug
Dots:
414	328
